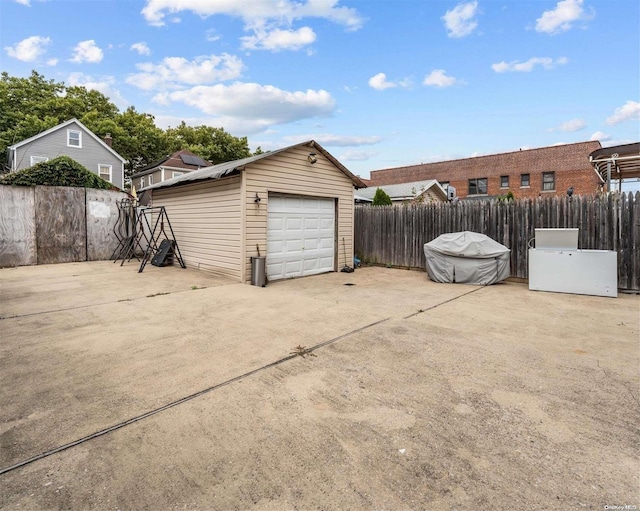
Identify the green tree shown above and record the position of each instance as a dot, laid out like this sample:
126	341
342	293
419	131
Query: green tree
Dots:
381	198
213	144
29	106
136	138
507	197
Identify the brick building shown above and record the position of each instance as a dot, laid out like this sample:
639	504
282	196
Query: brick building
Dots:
526	173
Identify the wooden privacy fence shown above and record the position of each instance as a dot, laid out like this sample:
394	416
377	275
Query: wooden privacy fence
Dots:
395	235
56	224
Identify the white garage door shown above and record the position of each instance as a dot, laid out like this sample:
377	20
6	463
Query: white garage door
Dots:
300	236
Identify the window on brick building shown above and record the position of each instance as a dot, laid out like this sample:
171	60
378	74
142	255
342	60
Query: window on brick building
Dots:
478	186
524	179
548	180
504	181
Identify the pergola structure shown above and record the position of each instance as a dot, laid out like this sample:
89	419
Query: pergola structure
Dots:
616	163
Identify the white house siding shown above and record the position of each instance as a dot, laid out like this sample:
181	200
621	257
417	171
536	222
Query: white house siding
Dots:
54	144
207	221
290	173
432	196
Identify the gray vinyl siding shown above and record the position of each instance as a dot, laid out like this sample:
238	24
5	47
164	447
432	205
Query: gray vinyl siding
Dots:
290	173
207	221
156	176
54	144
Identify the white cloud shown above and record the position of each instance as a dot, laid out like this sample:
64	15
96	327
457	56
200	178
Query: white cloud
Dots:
562	17
172	71
277	39
87	51
439	78
268	21
600	135
171	121
357	155
379	82
460	21
104	84
29	49
571	126
252	12
52	62
327	139
251	107
24	2
141	48
525	67
212	36
630	111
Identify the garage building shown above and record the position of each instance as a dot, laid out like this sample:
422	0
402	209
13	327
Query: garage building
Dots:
294	205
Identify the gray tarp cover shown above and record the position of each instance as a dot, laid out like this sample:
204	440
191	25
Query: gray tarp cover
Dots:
466	257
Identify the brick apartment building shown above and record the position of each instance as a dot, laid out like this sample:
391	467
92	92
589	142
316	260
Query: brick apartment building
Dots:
526	173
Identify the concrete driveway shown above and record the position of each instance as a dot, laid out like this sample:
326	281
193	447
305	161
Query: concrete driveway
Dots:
175	389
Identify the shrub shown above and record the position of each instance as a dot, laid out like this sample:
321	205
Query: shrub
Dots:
507	197
61	171
381	198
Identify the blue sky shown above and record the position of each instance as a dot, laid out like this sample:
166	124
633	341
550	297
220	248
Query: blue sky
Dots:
378	83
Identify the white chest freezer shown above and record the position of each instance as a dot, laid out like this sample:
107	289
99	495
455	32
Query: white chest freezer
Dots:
557	265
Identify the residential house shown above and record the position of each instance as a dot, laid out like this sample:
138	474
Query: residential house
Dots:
293	205
526	173
416	191
171	166
73	139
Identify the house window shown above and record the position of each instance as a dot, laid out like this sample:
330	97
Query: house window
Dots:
38	159
104	171
524	180
176	174
141	182
478	186
74	138
548	180
504	181
150	179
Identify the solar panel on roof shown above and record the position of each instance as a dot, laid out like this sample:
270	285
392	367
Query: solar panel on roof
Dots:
191	159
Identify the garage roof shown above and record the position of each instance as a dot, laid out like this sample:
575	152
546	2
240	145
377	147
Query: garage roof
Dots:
624	160
224	169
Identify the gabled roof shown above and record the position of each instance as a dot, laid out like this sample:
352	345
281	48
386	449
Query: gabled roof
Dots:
224	169
183	159
404	191
64	125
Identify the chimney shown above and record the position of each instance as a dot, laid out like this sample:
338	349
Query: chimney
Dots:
108	140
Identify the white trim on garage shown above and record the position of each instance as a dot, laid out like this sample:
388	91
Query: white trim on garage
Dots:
300	236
